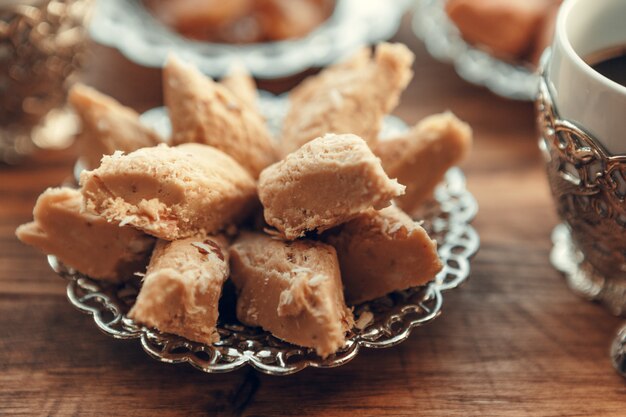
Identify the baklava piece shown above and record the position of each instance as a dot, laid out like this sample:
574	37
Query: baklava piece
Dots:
170	192
292	289
506	28
182	287
325	183
351	97
83	241
107	126
242	85
420	158
203	111
381	252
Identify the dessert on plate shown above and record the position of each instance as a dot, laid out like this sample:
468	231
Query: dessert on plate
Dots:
305	226
241	21
514	30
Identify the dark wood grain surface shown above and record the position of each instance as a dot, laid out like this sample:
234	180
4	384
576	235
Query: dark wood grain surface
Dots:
512	342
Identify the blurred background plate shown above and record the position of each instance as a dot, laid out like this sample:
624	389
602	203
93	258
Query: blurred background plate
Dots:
129	27
444	42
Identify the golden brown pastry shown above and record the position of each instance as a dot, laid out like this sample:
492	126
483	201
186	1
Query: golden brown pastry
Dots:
326	182
242	85
182	287
203	111
170	192
83	241
544	35
194	18
420	158
107	126
352	97
290	19
506	28
381	252
242	21
292	289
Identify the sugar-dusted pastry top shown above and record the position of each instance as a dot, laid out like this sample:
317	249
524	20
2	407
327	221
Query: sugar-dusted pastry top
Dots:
203	111
292	289
508	28
170	192
242	85
351	97
381	252
420	158
83	241
107	126
326	182
182	287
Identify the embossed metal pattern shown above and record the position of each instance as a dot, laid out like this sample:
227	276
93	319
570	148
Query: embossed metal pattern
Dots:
41	46
444	42
618	351
147	42
589	189
383	322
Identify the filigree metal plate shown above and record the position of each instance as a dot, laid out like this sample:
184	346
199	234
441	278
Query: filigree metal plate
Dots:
147	42
381	323
444	42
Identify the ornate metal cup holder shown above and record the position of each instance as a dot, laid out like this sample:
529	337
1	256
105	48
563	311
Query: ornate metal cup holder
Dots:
589	188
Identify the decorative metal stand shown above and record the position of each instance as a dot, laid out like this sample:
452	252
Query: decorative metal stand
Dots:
589	188
41	47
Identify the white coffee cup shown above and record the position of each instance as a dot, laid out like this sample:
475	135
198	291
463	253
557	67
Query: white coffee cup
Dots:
580	94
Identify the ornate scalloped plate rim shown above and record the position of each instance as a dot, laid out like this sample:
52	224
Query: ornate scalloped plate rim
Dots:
445	44
433	294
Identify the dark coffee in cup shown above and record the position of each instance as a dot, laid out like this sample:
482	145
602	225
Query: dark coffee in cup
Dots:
611	63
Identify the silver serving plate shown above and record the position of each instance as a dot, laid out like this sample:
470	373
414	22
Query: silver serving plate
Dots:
384	322
444	42
127	26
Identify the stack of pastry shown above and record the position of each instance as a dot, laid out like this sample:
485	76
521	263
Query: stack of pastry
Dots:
517	30
242	21
178	212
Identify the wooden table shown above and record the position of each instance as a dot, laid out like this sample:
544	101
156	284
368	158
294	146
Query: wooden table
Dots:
512	342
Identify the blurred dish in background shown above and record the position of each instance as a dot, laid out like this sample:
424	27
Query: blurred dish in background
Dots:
242	21
41	48
493	43
272	39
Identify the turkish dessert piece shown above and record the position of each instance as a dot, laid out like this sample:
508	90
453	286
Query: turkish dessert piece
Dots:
170	192
292	289
420	158
326	182
383	251
351	97
182	287
83	241
508	29
107	126
242	85
204	111
242	21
